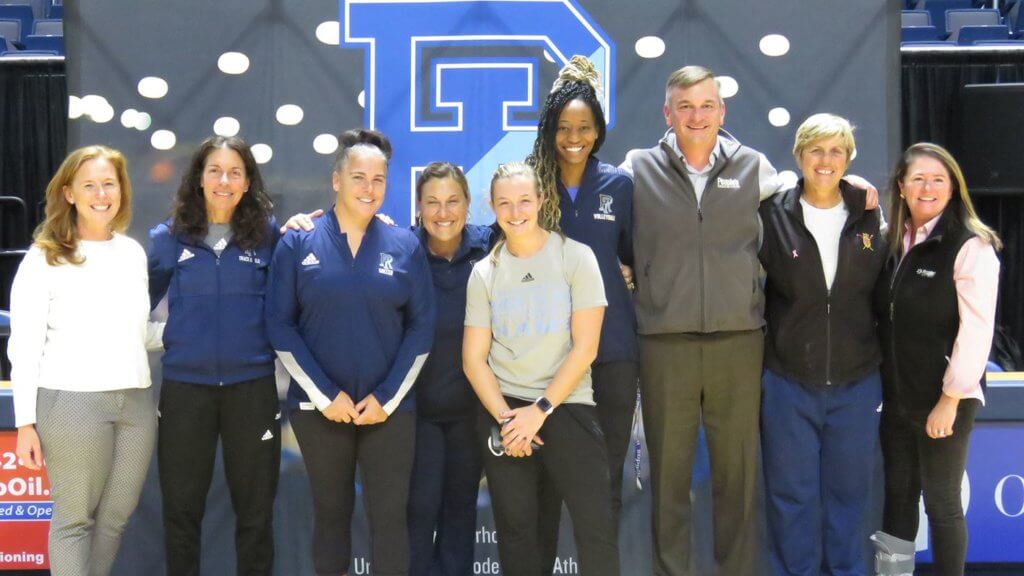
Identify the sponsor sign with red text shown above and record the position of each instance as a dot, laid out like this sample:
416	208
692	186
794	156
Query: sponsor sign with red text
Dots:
25	510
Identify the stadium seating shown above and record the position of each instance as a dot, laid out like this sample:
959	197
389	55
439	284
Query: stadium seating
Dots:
937	8
30	54
38	7
919	34
44	43
970	34
48	28
913	18
11	30
956	19
19	12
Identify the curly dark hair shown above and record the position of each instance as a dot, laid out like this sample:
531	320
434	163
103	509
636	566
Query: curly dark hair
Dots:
359	137
250	223
578	80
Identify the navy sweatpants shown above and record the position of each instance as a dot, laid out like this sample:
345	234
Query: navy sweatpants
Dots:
819	446
442	497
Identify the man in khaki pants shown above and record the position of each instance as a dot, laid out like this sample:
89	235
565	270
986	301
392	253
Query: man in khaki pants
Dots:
700	314
700	310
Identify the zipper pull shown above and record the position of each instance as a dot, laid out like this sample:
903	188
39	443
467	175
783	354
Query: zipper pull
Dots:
828	303
700	214
891	311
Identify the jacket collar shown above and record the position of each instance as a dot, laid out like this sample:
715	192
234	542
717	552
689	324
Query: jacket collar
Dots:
944	223
334	228
589	173
853	197
726	147
473	238
201	243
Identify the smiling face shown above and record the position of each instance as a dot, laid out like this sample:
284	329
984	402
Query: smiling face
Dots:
443	208
516	204
695	114
926	189
224	183
824	162
360	181
95	192
575	134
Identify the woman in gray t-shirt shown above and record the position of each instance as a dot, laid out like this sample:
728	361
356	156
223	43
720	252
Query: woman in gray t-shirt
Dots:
533	321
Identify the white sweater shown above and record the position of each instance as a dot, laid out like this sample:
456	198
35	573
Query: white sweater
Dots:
80	328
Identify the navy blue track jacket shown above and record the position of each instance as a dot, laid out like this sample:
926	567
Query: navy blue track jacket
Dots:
442	391
602	218
361	325
214	334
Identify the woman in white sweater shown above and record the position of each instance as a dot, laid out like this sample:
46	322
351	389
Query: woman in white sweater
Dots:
79	310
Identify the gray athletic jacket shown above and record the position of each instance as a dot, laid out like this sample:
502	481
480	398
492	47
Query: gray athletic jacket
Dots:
696	264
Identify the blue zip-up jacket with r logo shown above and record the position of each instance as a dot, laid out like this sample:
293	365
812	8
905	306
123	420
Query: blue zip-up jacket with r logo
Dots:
602	218
362	325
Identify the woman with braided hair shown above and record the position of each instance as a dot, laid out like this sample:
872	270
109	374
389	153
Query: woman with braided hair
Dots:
592	203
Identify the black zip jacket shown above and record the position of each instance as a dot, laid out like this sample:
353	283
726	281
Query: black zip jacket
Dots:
919	319
816	336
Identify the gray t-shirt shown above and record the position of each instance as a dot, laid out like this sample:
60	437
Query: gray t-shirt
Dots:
528	303
218	236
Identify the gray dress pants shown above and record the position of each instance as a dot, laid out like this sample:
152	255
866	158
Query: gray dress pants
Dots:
97	447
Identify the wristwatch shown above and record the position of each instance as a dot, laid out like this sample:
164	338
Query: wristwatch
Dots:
545	405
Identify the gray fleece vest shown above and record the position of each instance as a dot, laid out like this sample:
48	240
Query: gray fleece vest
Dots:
697	266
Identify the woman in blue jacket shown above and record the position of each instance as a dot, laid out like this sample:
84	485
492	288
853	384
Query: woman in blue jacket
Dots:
446	472
350	314
593	202
211	260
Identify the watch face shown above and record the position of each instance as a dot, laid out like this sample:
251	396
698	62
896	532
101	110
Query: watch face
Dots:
545	405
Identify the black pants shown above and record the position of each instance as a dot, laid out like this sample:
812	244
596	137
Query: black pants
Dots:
246	418
915	463
384	453
442	497
574	461
615	385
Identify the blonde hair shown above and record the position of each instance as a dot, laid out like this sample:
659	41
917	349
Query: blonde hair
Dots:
57	235
544	218
688	76
822	127
959	202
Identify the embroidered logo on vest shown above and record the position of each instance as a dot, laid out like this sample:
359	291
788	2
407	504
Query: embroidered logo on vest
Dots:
728	183
865	241
386	264
925	273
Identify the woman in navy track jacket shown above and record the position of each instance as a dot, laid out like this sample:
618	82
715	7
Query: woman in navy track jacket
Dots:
351	315
210	260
